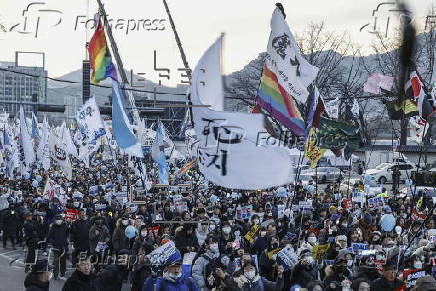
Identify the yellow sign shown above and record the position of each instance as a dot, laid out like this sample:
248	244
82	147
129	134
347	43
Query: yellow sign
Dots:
252	233
273	252
319	250
311	151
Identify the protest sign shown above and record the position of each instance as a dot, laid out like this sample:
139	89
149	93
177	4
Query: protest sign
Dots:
71	214
348	204
252	233
375	202
93	190
162	253
272	253
280	211
243	212
287	258
410	277
318	251
181	206
99	206
305	205
358	248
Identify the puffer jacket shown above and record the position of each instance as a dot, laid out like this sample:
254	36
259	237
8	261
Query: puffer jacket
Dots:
241	283
199	267
119	239
58	236
181	284
32	283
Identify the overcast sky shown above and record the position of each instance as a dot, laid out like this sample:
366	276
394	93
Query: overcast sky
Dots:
199	23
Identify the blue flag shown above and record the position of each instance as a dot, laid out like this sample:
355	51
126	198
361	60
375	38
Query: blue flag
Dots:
158	154
35	132
122	131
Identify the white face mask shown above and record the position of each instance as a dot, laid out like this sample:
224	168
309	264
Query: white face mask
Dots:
349	263
312	240
237	233
58	222
227	230
263	233
125	222
171	277
212	227
214	247
144	233
250	274
256	221
417	265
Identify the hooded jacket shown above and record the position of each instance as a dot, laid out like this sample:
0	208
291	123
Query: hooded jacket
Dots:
58	236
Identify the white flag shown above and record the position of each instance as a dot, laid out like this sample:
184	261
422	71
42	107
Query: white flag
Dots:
59	153
89	120
228	151
43	148
283	55
50	190
332	108
70	146
26	141
376	82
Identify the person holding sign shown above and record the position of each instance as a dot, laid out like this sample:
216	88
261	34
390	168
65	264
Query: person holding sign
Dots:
250	280
172	277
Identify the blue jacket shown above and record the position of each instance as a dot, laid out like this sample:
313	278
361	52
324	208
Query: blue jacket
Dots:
182	284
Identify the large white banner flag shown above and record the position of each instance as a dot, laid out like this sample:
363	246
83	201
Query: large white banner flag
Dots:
89	120
295	73
229	154
26	140
43	148
59	153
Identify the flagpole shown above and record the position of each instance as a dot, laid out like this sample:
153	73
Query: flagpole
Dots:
183	56
118	59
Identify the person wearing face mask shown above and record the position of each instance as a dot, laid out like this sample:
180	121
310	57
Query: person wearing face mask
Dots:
204	267
266	261
305	270
250	280
119	239
226	239
367	268
58	238
79	236
375	240
340	244
338	275
98	236
39	277
261	242
185	239
172	278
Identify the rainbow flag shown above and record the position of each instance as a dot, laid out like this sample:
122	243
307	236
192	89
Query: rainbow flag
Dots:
100	58
272	97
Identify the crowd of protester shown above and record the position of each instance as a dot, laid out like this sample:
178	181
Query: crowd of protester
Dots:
337	243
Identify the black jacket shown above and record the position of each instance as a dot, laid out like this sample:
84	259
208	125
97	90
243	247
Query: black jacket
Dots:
381	284
370	274
301	276
184	240
80	234
58	236
80	282
10	222
32	283
110	279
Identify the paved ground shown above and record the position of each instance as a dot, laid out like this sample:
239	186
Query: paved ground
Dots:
12	271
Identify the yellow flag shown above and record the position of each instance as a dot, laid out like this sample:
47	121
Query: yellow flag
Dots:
311	151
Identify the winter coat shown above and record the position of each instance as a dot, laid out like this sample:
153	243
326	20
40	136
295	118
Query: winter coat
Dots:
184	240
80	282
199	267
30	229
110	279
370	274
257	284
301	276
32	283
381	284
182	284
103	236
119	239
58	236
80	234
10	222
